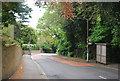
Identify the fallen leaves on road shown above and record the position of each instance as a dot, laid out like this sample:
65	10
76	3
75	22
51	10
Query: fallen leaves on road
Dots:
72	63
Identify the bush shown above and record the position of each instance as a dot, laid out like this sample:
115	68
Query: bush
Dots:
33	46
70	54
47	48
84	55
7	41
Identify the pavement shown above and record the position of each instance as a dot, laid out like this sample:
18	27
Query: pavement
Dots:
31	70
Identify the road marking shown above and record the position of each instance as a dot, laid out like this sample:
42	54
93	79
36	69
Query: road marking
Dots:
102	77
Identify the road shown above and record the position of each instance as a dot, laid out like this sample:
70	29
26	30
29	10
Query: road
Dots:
60	69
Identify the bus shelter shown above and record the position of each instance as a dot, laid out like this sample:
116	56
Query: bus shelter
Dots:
101	54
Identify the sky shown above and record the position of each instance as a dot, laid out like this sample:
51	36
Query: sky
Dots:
36	13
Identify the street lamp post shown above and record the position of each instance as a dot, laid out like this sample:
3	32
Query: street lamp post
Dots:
87	42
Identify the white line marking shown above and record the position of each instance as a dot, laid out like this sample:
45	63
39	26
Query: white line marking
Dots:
102	77
44	76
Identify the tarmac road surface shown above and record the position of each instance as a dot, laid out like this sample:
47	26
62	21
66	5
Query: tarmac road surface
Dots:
55	68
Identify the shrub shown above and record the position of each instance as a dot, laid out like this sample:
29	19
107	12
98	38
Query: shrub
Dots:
70	54
33	46
47	48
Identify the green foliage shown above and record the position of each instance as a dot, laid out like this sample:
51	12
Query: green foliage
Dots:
50	31
63	46
70	54
14	10
99	33
11	12
116	36
103	22
46	48
24	34
6	34
32	46
8	41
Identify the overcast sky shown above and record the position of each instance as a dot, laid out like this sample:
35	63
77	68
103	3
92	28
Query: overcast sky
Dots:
36	13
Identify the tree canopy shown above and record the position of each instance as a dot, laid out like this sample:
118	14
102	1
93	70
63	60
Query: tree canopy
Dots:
14	10
24	34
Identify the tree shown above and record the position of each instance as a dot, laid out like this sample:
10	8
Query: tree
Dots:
24	34
65	8
103	24
14	10
51	32
104	20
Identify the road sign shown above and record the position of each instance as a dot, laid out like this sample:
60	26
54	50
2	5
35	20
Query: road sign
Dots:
89	42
